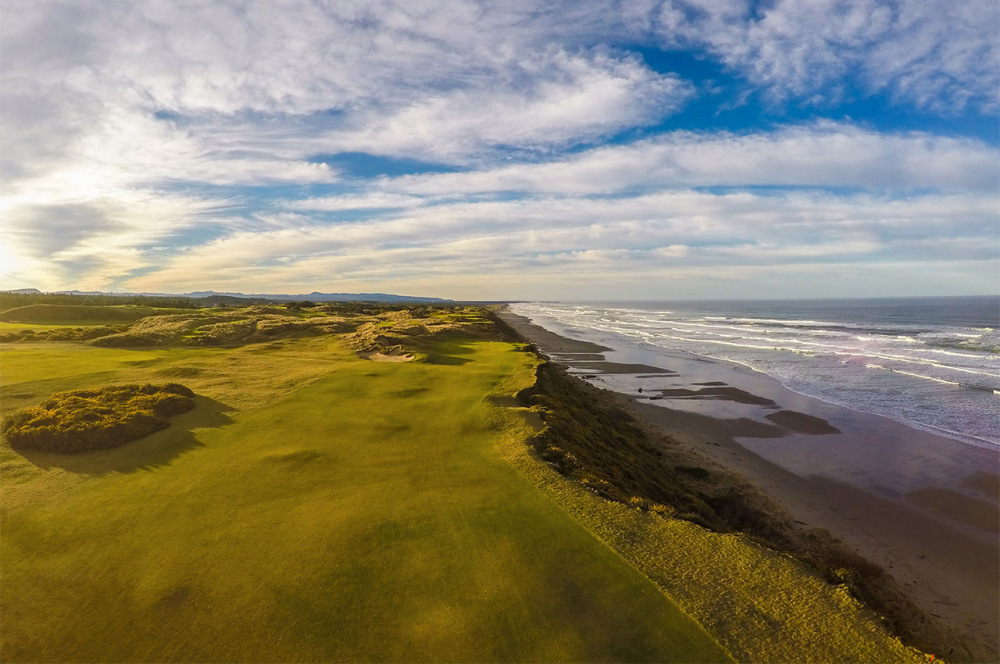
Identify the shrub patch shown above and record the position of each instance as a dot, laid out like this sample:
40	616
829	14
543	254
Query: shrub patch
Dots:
87	420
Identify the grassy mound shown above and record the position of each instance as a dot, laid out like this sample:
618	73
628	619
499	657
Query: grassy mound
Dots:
61	333
213	327
418	331
385	329
88	420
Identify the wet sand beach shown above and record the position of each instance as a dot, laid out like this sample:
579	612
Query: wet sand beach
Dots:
923	507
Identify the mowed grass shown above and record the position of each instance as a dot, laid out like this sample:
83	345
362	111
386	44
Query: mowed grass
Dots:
314	507
86	315
31	362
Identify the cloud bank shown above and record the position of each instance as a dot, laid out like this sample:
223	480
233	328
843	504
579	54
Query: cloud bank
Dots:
475	150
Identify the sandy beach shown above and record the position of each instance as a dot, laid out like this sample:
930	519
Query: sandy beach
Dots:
921	506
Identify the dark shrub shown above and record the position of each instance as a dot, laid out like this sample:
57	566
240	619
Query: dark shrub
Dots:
176	388
172	404
88	420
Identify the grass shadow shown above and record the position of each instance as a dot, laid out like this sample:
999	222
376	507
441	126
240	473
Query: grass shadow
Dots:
157	449
441	358
446	353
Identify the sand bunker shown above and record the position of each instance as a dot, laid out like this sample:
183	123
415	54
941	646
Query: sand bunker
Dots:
382	357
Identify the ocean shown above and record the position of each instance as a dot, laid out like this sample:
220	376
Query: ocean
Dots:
931	363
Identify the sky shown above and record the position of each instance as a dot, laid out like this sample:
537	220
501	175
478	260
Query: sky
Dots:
526	149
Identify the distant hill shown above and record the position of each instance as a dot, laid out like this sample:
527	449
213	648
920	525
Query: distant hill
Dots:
315	296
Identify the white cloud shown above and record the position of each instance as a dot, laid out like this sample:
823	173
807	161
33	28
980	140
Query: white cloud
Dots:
819	155
110	109
366	201
556	100
576	236
94	244
933	54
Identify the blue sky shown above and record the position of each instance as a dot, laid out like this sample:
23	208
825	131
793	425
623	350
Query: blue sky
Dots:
518	150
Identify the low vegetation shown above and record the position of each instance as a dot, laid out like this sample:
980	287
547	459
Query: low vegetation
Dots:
372	328
606	451
30	334
87	420
419	330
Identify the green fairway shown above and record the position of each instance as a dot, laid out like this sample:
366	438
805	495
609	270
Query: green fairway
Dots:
313	507
71	314
26	364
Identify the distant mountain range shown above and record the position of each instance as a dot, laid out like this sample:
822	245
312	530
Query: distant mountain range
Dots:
315	296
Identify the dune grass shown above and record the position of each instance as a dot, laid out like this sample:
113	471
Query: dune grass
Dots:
382	327
358	511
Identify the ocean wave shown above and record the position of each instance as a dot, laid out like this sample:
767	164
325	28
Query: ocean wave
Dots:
795	346
915	375
831	342
947	352
917	371
777	321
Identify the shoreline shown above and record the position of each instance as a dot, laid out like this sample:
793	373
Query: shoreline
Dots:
925	519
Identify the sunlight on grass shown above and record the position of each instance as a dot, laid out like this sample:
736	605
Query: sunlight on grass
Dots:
24	363
338	521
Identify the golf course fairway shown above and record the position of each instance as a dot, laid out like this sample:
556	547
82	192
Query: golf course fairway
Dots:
314	506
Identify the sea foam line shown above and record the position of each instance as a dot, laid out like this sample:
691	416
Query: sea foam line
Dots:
834	349
915	375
